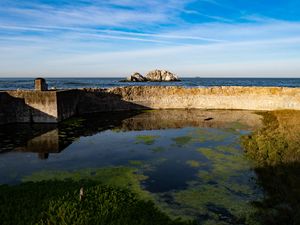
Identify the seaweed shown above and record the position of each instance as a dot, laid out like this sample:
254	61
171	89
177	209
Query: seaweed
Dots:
146	139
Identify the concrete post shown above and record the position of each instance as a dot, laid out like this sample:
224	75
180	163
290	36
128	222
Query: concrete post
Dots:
40	84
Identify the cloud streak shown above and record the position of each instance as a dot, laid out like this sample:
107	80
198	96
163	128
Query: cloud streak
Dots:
120	36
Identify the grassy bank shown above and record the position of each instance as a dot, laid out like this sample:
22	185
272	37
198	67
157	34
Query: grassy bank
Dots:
56	201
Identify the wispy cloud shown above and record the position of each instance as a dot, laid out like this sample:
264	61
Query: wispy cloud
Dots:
109	37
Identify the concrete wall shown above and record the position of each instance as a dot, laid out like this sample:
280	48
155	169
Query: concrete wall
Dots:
67	102
28	106
248	98
55	106
13	109
102	100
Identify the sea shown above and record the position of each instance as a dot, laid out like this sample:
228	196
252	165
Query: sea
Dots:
70	83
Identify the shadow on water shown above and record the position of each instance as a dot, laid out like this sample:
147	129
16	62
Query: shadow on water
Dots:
45	139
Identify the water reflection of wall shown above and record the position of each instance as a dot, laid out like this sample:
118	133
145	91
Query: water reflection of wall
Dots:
163	119
43	144
47	139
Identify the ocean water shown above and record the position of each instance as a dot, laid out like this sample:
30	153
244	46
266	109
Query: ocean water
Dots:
66	83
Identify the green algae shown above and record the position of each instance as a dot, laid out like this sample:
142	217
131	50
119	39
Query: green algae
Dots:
204	135
215	203
193	163
123	177
146	139
225	161
136	162
75	122
182	140
219	193
158	149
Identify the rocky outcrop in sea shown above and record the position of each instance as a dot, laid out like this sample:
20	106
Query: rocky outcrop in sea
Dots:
153	76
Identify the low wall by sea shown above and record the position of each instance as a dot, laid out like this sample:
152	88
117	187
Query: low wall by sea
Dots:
55	106
247	98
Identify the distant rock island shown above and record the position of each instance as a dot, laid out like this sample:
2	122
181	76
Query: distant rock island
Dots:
153	76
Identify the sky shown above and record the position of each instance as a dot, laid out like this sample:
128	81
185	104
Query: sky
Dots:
114	38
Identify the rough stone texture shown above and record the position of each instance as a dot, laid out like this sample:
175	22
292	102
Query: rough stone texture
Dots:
28	106
248	98
101	100
67	104
40	84
161	75
136	77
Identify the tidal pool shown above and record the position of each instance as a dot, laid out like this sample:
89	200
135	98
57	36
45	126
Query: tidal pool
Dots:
188	165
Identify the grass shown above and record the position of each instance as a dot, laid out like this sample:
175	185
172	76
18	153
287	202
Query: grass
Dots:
57	203
112	196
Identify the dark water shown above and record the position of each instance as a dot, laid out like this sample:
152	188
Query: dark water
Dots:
192	167
64	83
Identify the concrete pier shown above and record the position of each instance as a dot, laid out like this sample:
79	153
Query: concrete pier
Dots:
43	106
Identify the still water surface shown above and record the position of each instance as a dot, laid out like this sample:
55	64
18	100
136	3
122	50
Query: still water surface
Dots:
192	161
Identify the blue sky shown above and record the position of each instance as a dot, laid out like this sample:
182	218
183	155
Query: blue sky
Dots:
208	38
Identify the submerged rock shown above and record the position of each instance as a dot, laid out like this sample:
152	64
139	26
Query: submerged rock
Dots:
161	75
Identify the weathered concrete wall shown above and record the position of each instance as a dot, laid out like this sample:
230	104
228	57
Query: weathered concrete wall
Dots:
55	106
28	106
67	102
248	98
13	109
102	100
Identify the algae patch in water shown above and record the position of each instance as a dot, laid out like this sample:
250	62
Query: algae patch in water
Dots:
158	149
123	177
182	140
193	163
205	134
136	162
146	139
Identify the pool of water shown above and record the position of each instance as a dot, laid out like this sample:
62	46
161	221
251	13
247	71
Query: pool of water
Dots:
191	162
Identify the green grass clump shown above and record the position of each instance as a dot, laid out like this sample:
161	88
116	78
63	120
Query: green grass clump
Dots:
57	203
